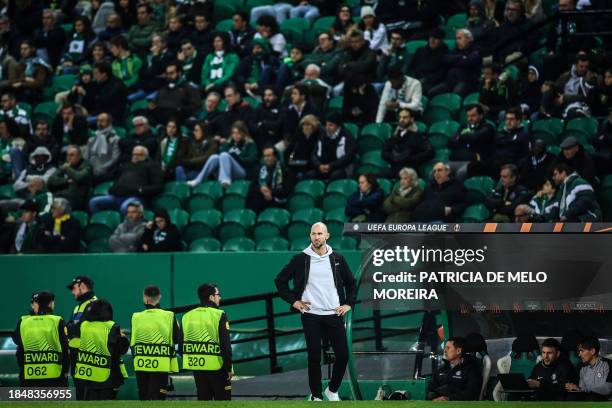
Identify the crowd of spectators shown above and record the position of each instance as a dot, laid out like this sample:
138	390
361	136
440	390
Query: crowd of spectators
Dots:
160	92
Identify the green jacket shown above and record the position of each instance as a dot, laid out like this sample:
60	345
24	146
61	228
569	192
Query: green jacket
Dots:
400	208
545	208
72	183
577	201
326	60
218	72
244	152
127	69
139	37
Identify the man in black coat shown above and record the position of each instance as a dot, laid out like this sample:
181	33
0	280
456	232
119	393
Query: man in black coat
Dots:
50	38
69	127
578	159
299	107
237	109
110	94
426	64
504	199
323	292
535	169
358	57
407	147
59	233
335	152
272	183
444	198
551	373
459	378
266	119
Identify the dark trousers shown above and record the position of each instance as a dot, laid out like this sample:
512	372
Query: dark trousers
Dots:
151	386
79	389
212	385
97	394
51	383
330	327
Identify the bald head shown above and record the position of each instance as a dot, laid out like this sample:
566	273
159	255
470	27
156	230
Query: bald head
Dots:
318	235
139	153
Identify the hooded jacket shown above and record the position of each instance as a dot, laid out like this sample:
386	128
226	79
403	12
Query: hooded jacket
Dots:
103	151
72	183
43	171
298	270
126	236
166	240
459	383
577	201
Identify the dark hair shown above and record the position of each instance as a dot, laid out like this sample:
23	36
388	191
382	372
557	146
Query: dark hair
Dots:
223	36
590	342
458	342
242	14
495	67
396	72
337	26
99	310
398	32
512	167
104	67
476	106
301	88
186	41
233	87
372	180
270	22
175	63
86	23
516	111
152	291
119	41
583	57
552	343
202	14
375	24
405	109
145	5
41	122
562	168
270	88
270	146
67	105
356	33
9	94
205	291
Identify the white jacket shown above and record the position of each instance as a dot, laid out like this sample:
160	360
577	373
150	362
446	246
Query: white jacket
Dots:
408	96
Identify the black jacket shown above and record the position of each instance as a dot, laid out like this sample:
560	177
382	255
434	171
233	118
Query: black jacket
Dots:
459	383
473	143
77	136
109	97
553	378
437	196
407	149
511	145
297	271
68	241
362	61
290	118
144	179
168	240
535	170
266	121
498	200
582	163
326	150
426	64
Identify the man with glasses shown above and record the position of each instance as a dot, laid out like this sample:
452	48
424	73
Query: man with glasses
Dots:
395	55
514	27
206	347
326	56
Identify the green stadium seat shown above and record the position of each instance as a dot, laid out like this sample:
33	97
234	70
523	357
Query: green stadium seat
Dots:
301	222
45	111
102	188
139	105
149	215
336	214
442	107
345	187
450	43
293	29
223	11
352	128
178	188
26	107
554	150
548	130
299	244
252	101
198	202
67	27
475	213
314	188
323	24
205	245
333	200
232	202
82	217
471	99
478	188
166	201
343	243
212	189
63	82
442	155
237	223
456	21
239	244
373	136
335	103
277	216
273	244
101	225
202	224
374	158
98	246
386	185
265	230
179	217
421	127
239	187
412	46
225	25
7	191
300	201
583	129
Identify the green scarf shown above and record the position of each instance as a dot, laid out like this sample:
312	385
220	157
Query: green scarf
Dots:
170	151
274	180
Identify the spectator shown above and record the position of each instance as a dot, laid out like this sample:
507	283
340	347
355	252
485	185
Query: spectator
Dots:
25	238
326	56
373	30
176	34
102	150
266	119
272	185
50	39
73	179
241	33
497	91
473	143
81	89
211	113
503	199
128	234
236	110
154	65
571	92
176	98
139	35
19	117
35	191
360	100
459	378
481	27
34	75
358	58
12	163
10	67
400	91
127	12
365	205
319	91
407	147
237	158
335	152
578	159
140	180
69	128
191	61
443	199
59	232
290	70
601	102
544	203
141	136
220	66
292	115
112	28
40	167
109	94
603	145
513	29
171	147
202	33
426	65
577	202
197	152
512	142
161	235
343	25
42	138
125	66
595	377
78	44
404	198
282	11
254	70
396	55
524	213
268	29
299	152
530	92
463	64
536	168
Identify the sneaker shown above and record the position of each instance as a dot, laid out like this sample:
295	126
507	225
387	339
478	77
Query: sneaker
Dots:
331	396
313	398
192	183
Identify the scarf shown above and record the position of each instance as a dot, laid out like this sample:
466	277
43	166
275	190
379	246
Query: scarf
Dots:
170	150
572	86
404	191
216	65
20	237
100	144
159	236
30	65
273	179
57	226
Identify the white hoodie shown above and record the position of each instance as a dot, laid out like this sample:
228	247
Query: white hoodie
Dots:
320	289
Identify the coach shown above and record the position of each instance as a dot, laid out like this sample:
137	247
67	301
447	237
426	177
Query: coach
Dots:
323	291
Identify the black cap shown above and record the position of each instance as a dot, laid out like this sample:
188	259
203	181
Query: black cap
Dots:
81	279
568	143
437	32
334	117
29	205
43	298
